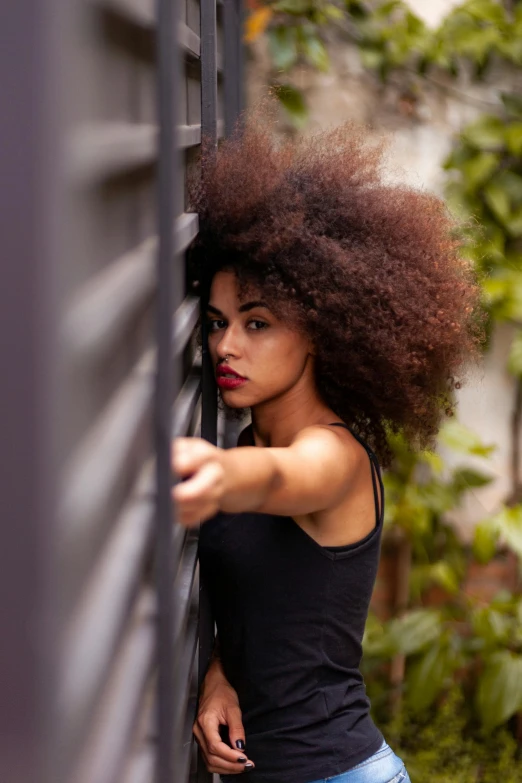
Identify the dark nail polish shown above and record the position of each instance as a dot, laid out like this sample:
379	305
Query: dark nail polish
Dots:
249	765
240	744
242	759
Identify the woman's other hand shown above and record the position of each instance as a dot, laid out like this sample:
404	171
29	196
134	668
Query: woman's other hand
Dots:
219	705
198	497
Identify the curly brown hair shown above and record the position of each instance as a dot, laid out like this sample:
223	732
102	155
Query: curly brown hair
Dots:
371	270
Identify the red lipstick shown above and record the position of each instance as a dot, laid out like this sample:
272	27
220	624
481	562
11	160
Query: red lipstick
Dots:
227	378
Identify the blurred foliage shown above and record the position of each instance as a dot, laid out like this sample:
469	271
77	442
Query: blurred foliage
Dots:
464	637
446	744
473	36
485	183
476	32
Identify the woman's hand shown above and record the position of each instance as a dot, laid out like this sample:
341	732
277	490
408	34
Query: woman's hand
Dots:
198	498
219	705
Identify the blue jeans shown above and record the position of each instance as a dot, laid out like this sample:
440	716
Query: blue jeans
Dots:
383	767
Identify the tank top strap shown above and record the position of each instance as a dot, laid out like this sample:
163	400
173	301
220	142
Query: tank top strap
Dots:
375	469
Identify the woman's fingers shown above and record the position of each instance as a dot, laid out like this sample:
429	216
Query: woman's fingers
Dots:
198	498
236	730
208	479
219	757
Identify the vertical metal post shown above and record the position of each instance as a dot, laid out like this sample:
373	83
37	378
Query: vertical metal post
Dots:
167	377
209	132
28	227
208	385
234	55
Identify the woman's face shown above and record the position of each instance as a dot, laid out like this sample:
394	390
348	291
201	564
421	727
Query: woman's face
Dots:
268	354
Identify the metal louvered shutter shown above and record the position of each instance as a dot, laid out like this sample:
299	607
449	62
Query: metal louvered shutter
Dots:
104	633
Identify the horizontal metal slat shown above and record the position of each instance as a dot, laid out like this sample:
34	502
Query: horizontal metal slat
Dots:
97	472
188	750
98	316
185	405
141	12
102	150
104	755
189	135
185	678
141	766
185	229
188	40
185	319
94	633
184	585
195	428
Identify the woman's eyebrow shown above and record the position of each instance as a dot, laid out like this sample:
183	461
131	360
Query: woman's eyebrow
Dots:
250	305
242	308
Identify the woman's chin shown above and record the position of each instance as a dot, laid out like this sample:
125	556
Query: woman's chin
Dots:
232	400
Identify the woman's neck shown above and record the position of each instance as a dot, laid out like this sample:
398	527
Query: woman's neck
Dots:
276	422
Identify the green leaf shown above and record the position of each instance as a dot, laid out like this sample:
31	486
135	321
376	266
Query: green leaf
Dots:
295	7
509	523
514	224
486	10
415	630
498	201
426	676
445	576
434	495
459	438
466	478
485	133
504	294
499	694
371	58
357	9
491	625
484	541
387	7
434	460
513	103
377	642
282	42
515	355
479	169
294	103
441	573
333	11
315	52
511	182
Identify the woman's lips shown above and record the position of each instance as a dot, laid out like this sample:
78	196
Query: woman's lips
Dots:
230	383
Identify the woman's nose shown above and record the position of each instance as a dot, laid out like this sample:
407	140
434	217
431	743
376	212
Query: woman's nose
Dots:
229	344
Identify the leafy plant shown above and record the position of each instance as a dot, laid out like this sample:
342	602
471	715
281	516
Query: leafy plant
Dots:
445	744
389	36
462	638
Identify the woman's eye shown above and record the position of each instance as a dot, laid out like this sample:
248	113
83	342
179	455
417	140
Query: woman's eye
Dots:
214	324
259	325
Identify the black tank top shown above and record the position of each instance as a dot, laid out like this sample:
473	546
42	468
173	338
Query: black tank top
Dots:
290	617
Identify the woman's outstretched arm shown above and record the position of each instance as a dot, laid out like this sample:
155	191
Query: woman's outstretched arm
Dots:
309	475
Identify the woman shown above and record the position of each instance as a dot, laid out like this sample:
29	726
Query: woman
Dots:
338	309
